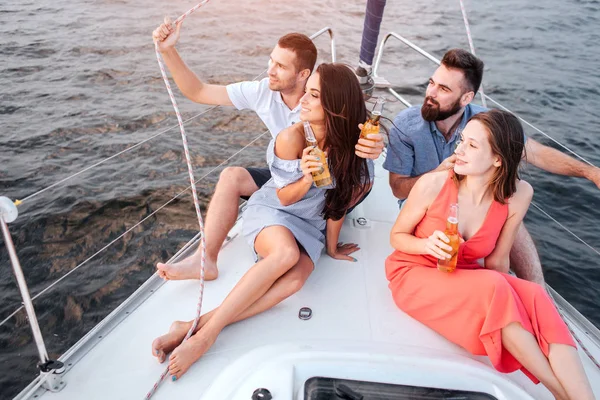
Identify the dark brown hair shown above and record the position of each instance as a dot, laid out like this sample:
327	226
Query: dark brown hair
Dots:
342	100
506	137
471	66
303	47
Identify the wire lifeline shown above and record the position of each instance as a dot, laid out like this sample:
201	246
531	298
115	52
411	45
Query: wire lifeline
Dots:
470	38
19	202
194	194
56	282
26	199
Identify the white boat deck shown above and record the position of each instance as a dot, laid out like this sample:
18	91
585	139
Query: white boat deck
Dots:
356	332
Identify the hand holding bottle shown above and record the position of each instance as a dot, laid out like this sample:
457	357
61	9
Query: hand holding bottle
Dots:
370	143
437	245
369	147
309	164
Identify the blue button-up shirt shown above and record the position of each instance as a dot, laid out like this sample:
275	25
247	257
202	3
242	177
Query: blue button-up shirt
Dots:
416	146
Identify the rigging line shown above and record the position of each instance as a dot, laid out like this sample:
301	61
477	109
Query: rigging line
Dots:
111	157
124	151
470	38
132	228
565	228
539	130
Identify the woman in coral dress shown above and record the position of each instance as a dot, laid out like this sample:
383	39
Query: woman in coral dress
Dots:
480	306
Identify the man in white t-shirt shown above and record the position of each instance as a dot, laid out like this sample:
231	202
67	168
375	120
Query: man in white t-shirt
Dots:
276	100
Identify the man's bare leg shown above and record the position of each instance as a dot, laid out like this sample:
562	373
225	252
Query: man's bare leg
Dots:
524	258
220	217
291	282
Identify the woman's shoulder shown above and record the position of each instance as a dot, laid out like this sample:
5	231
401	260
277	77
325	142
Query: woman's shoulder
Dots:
521	199
430	184
433	180
290	142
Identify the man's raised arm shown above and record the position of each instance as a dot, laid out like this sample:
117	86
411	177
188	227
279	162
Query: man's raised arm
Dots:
556	162
190	85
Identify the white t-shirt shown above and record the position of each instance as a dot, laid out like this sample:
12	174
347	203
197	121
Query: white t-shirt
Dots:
268	104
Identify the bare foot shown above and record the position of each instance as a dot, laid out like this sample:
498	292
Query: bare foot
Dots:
189	352
163	345
188	269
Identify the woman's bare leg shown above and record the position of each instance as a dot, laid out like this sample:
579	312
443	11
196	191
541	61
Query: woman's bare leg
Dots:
525	348
284	287
567	367
280	251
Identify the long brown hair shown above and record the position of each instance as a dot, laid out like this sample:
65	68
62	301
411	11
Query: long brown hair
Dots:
506	137
342	100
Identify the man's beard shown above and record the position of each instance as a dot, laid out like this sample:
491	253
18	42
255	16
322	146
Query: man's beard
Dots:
433	113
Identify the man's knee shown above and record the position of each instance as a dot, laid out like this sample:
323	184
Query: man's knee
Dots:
236	179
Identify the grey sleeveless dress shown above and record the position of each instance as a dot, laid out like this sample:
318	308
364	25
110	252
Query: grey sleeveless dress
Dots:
303	218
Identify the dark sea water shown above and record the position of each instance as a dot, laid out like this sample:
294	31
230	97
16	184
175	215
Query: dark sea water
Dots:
80	83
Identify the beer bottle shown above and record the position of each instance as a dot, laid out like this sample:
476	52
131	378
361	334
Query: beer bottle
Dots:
321	177
449	264
372	123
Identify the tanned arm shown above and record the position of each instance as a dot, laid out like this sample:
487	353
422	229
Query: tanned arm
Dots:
556	162
190	85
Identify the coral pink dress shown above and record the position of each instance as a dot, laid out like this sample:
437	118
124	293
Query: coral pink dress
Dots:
471	305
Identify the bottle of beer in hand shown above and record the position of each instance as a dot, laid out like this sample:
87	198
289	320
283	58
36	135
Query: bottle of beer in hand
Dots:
321	177
372	124
449	264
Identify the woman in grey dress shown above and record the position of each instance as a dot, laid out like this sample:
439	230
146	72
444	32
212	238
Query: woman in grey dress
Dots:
286	219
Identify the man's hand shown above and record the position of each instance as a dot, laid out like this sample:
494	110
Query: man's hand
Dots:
342	251
447	164
166	35
594	176
371	147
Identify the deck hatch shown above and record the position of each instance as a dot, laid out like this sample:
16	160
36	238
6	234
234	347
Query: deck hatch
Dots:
322	388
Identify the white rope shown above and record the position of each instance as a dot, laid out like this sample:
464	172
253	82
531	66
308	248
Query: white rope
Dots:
468	29
190	168
49	287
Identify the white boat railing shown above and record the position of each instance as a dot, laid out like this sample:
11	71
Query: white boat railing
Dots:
431	58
